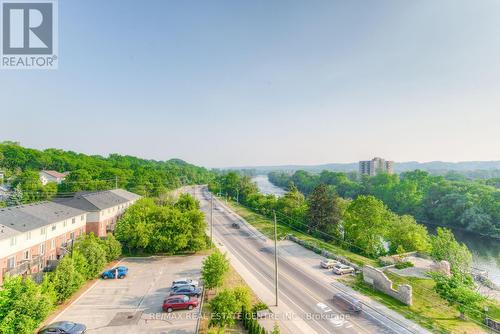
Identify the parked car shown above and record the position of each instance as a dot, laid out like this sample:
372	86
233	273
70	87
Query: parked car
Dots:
179	302
235	225
328	263
341	269
184	281
119	272
64	327
349	303
186	290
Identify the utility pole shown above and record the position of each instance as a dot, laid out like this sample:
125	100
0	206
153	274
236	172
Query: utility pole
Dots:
275	258
116	182
211	217
238	196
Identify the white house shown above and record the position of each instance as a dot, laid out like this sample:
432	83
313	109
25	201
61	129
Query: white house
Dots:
47	176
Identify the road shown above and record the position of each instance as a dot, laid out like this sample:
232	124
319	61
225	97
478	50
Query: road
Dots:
308	298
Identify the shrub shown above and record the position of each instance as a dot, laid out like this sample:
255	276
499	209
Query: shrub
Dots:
223	307
403	265
112	247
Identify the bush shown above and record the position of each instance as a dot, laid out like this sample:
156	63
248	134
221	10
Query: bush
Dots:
242	295
93	251
112	247
403	265
223	307
66	279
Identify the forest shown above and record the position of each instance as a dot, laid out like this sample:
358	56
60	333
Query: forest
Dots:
90	172
472	205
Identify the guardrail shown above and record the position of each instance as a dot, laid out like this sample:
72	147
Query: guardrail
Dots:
200	315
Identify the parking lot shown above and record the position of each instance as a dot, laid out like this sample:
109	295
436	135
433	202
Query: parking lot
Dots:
134	304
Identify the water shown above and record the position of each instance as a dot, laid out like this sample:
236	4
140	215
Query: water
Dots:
485	251
267	187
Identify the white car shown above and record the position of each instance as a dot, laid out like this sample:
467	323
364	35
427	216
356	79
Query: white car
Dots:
328	263
341	269
184	281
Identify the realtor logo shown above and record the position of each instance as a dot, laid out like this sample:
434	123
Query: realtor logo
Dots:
29	34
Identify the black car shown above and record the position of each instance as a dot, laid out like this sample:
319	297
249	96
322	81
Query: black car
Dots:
186	290
63	327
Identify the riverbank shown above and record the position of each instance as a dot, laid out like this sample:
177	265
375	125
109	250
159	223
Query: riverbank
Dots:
485	250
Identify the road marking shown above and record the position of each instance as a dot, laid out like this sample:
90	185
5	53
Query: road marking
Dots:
281	258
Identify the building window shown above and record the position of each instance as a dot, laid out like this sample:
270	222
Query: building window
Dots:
54	227
82	218
43	230
28	235
42	249
52	243
73	221
11	262
65	223
13	241
26	254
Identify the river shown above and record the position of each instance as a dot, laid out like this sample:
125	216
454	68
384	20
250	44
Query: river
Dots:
485	251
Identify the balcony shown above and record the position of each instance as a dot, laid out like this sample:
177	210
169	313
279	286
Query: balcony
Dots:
24	267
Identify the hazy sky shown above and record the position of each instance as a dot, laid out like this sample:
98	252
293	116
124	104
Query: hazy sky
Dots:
231	83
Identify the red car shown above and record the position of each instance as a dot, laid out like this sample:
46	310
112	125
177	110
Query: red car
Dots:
179	302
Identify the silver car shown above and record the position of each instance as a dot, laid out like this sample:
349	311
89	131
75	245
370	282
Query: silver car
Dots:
328	263
341	269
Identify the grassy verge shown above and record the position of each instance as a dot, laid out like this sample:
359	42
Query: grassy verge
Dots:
232	280
266	227
428	309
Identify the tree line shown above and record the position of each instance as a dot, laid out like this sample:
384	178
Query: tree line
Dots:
457	202
92	172
364	225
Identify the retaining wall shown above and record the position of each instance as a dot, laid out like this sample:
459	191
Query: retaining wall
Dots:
381	282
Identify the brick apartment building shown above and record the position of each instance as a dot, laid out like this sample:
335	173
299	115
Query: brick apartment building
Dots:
103	208
31	235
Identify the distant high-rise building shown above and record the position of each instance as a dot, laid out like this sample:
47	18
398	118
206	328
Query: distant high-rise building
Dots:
376	165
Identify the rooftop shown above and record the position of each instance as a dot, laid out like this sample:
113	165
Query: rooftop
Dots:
23	218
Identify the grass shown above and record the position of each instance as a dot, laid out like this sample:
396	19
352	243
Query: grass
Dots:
232	280
266	227
428	308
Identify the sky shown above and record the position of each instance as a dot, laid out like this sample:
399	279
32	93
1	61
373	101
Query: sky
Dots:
271	82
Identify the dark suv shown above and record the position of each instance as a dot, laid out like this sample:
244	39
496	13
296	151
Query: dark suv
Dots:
186	290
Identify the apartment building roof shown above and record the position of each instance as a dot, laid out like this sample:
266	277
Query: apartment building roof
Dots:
22	218
99	200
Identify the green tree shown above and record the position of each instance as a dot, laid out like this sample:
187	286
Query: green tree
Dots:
365	225
112	247
92	250
324	212
214	268
445	247
23	305
223	308
404	233
66	279
16	198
